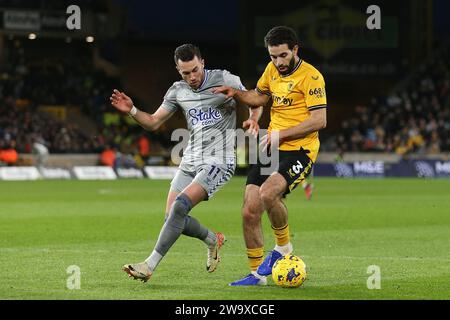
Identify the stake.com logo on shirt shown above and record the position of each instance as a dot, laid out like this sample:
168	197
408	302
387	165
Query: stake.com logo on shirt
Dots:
205	118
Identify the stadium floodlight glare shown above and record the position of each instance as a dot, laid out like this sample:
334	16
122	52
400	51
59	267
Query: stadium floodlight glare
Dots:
32	36
90	39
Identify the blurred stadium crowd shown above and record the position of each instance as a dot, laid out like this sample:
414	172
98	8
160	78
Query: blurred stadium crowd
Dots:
27	82
413	118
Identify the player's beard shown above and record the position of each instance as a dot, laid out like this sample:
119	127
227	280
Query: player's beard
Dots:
290	67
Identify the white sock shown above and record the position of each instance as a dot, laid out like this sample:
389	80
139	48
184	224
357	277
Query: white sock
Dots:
153	260
286	249
258	275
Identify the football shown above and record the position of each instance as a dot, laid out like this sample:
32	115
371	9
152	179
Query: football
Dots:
289	271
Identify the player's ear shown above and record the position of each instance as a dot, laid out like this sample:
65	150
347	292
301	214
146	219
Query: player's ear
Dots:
295	50
203	62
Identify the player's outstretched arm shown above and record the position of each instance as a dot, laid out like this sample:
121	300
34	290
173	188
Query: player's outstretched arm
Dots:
317	121
151	122
251	97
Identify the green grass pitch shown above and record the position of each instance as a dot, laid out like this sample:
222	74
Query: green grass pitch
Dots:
400	225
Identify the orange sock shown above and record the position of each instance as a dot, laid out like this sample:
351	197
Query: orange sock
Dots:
281	235
255	257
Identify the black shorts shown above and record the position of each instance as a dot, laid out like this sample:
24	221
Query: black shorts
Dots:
294	166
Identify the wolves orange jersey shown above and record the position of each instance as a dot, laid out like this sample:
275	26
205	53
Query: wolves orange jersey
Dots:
294	95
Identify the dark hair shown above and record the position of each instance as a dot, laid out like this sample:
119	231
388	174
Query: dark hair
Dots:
186	52
281	35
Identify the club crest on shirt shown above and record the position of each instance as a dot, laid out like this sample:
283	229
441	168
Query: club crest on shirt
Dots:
290	85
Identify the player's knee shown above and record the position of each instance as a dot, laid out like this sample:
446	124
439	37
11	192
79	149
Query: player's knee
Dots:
178	212
181	206
268	195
